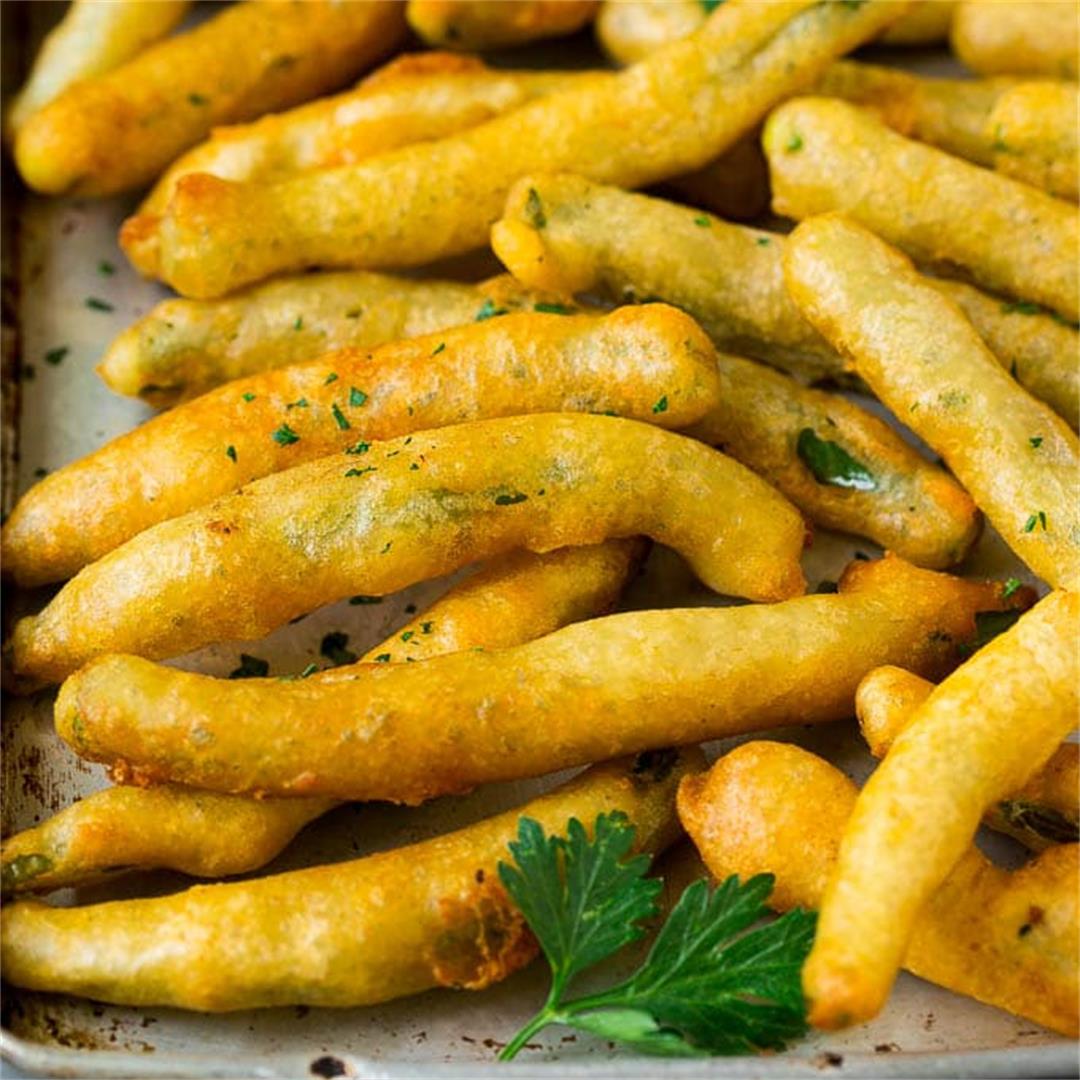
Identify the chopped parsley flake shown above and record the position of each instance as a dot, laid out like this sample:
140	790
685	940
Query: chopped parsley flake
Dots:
425	627
552	309
763	241
359	448
1010	587
285	435
1038	518
331	378
357	600
382	658
510	500
386	547
94	304
356	397
106	268
360	472
488	310
794	144
710	5
661	405
534	209
340	418
56	356
231	451
198	99
1036	441
438	348
299	324
249	396
413	467
408	635
300	403
703	222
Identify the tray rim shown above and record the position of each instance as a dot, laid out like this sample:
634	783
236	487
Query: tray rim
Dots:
1056	1059
1059	1058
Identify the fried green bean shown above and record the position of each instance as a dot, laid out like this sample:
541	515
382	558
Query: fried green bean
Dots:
389	514
182	348
1011	238
119	829
117	131
775	808
495	24
1041	813
921	356
513	599
623	363
91	39
421	203
979	737
731	280
947	113
352	933
629	30
1035	128
1017	38
415	97
621	684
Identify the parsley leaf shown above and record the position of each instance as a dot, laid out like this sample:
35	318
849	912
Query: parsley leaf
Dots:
552	309
988	624
710	984
581	900
832	464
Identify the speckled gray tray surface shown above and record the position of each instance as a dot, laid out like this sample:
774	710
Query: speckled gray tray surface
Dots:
66	412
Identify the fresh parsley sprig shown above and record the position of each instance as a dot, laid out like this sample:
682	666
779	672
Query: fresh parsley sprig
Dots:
710	984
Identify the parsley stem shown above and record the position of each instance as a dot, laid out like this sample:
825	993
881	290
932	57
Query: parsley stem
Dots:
547	1015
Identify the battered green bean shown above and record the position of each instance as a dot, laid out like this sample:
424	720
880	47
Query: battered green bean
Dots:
511	600
389	514
590	691
352	933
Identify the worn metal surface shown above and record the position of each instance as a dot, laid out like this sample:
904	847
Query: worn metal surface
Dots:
65	251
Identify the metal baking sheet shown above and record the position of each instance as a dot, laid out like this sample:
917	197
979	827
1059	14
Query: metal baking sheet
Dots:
65	411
